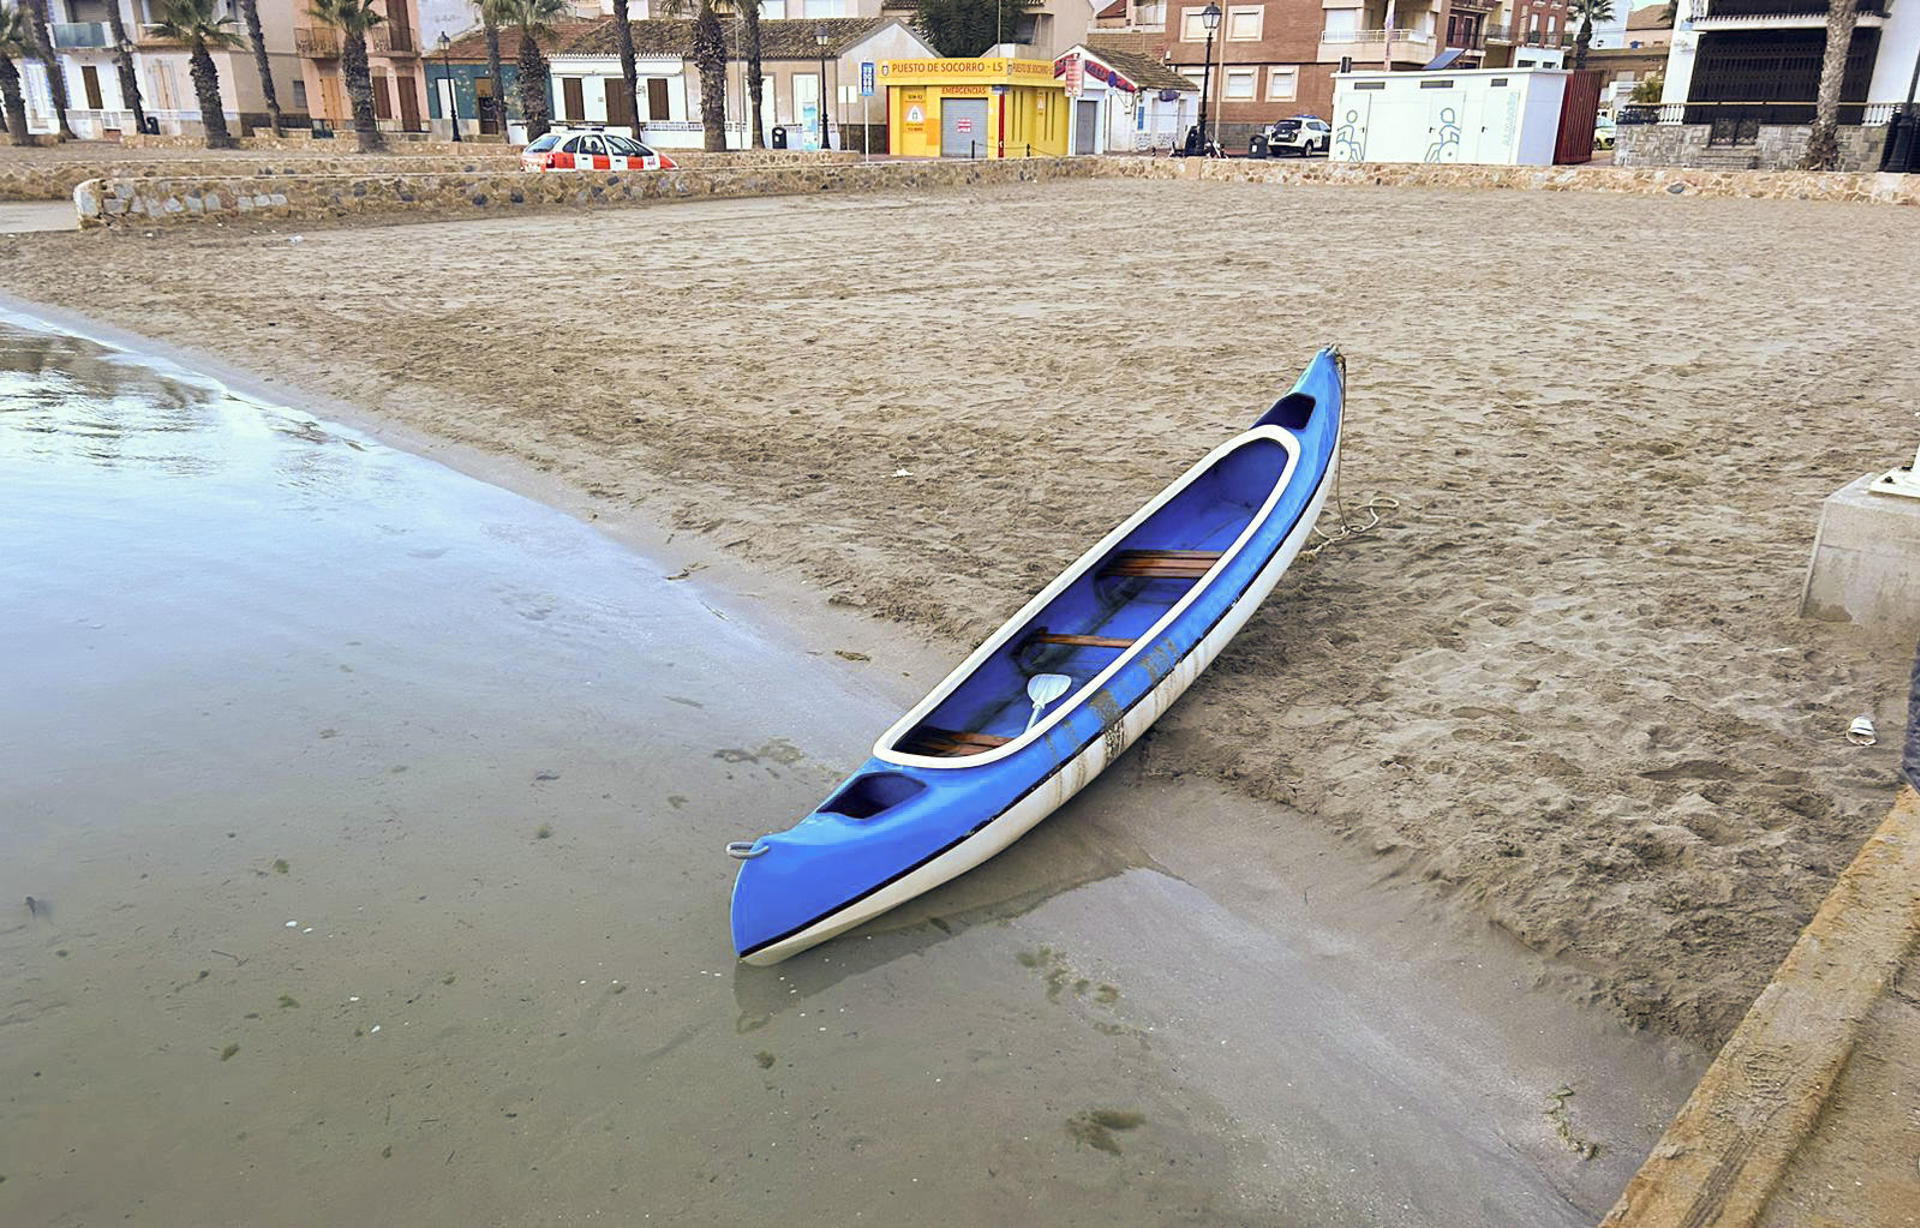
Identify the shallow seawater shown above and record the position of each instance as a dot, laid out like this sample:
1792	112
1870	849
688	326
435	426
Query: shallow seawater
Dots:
373	817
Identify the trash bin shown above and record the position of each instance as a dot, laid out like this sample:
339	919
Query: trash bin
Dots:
779	137
1257	145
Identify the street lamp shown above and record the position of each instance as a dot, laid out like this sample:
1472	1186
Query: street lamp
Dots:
1210	18
453	91
820	38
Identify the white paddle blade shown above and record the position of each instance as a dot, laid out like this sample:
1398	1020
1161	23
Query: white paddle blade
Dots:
1043	689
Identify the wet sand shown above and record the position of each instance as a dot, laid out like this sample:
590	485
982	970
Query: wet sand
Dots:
372	816
1565	681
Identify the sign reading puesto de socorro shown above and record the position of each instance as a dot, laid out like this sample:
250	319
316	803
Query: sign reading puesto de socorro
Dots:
996	68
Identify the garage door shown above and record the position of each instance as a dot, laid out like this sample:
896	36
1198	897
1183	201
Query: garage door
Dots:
963	127
1086	125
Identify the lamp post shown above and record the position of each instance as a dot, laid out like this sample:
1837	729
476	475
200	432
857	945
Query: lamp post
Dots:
453	91
1210	18
820	37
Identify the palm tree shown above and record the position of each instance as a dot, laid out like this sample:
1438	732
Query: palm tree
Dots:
623	39
1588	11
493	15
534	19
710	60
353	18
123	58
15	44
36	12
250	13
1823	143
198	24
749	11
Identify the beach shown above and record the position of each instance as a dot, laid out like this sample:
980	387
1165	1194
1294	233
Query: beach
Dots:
1563	681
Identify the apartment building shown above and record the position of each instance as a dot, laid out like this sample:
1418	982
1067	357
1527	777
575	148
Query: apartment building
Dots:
303	59
1272	58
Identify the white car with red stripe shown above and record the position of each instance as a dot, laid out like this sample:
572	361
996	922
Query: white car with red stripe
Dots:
591	151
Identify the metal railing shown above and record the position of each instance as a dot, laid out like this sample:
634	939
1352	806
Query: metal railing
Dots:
1374	36
82	34
318	41
1709	10
387	40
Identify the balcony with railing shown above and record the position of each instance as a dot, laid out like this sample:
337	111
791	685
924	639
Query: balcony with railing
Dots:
392	40
1760	14
75	35
317	42
1369	48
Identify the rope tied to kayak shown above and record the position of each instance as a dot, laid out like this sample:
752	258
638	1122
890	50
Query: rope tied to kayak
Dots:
1374	505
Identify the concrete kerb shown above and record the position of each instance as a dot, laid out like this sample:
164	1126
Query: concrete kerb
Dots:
1722	1158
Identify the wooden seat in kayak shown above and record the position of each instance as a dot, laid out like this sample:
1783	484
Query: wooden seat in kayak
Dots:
1042	636
929	740
1162	564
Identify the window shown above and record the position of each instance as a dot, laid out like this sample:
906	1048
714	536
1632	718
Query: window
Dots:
1192	29
1195	75
773	10
1243	23
1341	25
300	94
1151	13
1240	82
1282	84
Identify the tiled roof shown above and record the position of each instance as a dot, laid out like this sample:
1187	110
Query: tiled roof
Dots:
1144	71
1652	17
1117	9
779	40
471	46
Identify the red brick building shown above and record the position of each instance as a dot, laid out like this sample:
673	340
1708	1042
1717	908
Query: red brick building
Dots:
1273	58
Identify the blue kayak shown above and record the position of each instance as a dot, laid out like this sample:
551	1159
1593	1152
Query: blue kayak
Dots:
1059	691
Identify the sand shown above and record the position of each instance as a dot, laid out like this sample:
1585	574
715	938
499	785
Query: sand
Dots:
1565	680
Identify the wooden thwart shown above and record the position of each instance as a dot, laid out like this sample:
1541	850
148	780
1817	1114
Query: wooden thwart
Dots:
949	743
1079	641
1162	564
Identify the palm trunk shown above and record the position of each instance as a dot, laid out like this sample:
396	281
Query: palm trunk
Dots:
1584	41
1823	143
710	58
206	88
499	100
756	78
16	106
359	81
250	13
43	50
123	60
533	86
623	38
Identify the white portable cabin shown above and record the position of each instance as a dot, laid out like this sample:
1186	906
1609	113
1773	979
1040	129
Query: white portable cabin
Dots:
1500	116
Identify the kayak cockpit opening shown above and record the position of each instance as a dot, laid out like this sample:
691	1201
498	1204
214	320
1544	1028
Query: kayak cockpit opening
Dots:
1291	412
1104	607
868	795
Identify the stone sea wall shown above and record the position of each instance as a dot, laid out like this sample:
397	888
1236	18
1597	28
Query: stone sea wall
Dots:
226	198
1775	147
26	179
57	180
169	200
1641	181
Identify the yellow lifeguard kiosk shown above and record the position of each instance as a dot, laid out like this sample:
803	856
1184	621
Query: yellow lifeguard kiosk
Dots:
985	108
